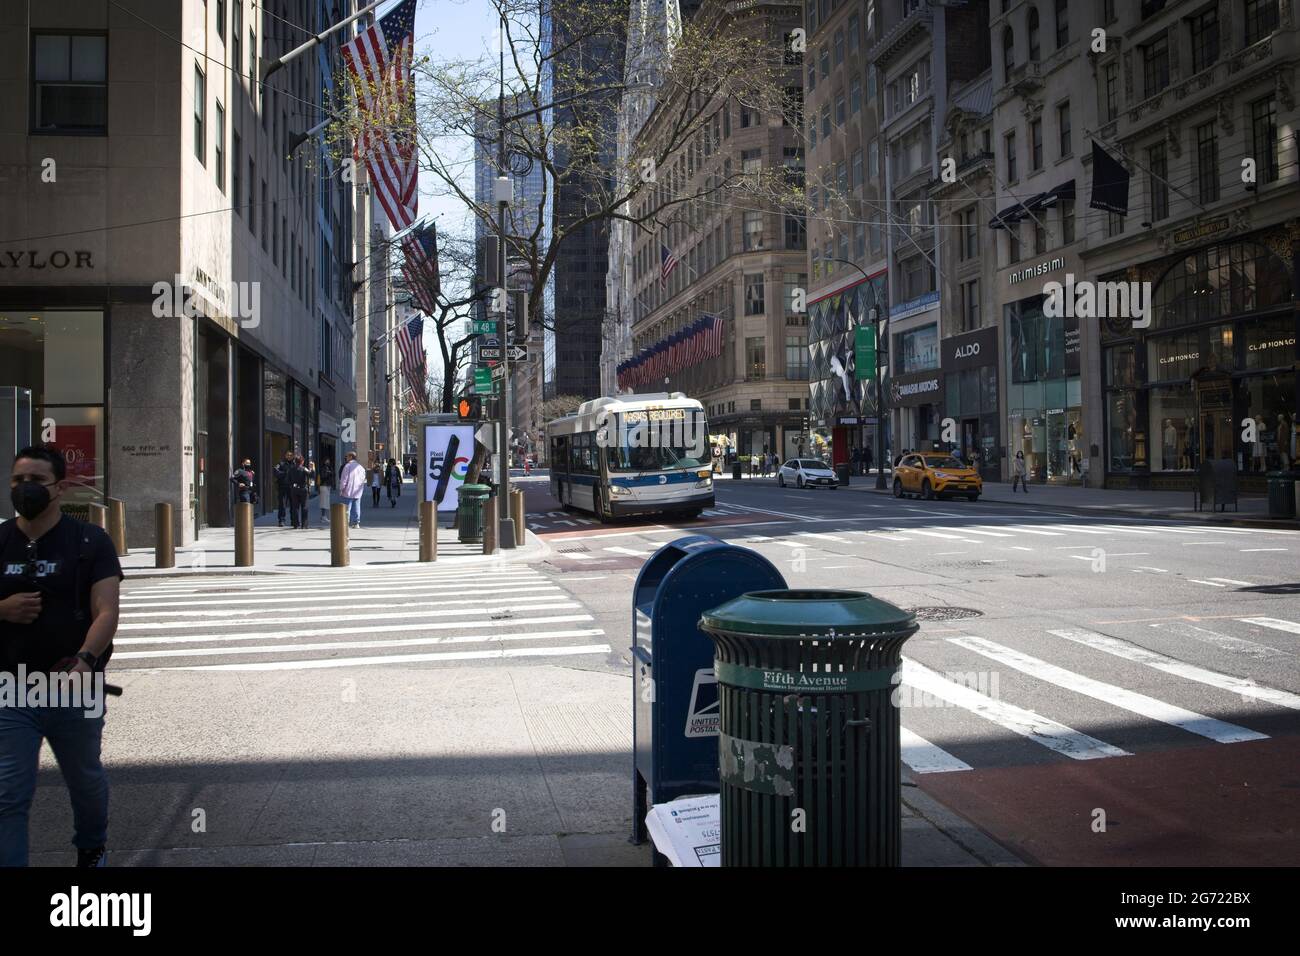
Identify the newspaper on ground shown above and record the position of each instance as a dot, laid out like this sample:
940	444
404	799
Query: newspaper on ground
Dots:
688	830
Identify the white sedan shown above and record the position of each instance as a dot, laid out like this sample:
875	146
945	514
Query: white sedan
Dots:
806	473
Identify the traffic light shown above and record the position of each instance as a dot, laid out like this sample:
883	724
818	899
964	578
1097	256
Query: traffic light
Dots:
469	408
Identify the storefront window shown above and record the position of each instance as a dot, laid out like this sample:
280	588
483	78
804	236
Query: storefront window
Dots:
1222	280
1127	451
1270	343
275	402
1172	424
920	349
1120	367
1270	403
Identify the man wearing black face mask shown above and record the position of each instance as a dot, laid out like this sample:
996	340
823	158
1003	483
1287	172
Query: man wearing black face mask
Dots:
59	581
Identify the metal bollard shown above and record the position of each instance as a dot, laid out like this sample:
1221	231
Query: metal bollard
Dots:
98	515
490	527
243	534
517	509
428	532
117	524
338	535
164	546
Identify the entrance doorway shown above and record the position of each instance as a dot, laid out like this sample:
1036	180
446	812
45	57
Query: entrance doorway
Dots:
1214	432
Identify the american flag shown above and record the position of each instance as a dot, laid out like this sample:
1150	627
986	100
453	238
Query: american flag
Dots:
379	59
410	343
668	261
421	248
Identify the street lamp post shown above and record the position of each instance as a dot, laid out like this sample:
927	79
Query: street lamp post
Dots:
881	406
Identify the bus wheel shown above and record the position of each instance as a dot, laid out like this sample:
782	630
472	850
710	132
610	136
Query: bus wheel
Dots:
603	511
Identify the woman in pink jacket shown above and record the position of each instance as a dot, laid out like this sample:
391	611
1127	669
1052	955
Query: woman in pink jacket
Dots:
352	485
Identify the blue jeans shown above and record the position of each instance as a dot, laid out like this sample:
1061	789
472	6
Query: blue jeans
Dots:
75	740
354	510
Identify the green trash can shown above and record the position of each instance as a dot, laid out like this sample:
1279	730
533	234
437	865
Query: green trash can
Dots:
1281	494
808	744
469	513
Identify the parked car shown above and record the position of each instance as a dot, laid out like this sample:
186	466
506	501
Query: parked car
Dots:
806	473
936	475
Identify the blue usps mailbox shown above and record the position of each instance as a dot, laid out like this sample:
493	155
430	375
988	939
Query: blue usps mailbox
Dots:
674	694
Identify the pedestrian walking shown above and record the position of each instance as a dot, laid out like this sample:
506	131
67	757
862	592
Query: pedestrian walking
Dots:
376	482
393	481
282	486
59	585
1018	473
324	480
297	476
352	482
866	459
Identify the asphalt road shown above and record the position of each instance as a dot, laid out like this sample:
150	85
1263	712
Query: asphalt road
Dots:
1088	689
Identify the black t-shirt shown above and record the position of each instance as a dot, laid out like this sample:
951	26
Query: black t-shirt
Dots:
60	629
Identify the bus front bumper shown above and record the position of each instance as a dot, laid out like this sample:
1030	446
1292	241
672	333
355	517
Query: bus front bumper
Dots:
630	506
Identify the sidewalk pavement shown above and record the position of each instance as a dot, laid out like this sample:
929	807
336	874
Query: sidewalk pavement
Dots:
1252	509
391	766
388	536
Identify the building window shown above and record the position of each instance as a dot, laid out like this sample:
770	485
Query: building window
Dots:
855	94
1067	221
1207	163
266	215
219	139
839	47
200	116
753	230
812	76
841	113
237	39
1040	237
968	243
221	19
871	84
1010	152
1158	185
1107	11
1036	144
824	62
796	357
1112	90
1155	65
1263	131
751	162
252	196
1261	19
857	168
748	117
235	161
1114	224
755	359
754	294
1205	39
69	88
1013	243
859	241
796	232
1008	53
252	64
855	29
755	404
1063	129
873	158
1033	35
1062	23
826	121
970	305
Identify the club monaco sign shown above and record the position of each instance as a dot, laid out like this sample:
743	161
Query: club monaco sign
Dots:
37	259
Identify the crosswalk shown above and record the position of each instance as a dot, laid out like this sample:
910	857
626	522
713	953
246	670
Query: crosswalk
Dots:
350	617
546	521
954	720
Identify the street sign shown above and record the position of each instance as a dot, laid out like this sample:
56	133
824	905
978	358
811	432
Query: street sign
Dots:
498	372
487	436
864	352
482	327
492	353
482	381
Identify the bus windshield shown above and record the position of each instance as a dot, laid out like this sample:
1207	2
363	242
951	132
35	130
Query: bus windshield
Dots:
637	442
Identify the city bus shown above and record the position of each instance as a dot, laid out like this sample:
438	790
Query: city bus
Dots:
639	455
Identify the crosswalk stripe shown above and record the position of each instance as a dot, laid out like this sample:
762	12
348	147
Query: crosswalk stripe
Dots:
1149	707
1039	729
1243	584
336	600
987	534
559	603
1122	530
1075	528
322	577
324	605
924	757
504	653
1275	623
937	534
1024	530
324	631
825	537
348	587
634	552
335	645
1224	642
1210	583
1140	655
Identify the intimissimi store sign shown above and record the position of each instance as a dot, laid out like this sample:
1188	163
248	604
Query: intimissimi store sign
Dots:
55	259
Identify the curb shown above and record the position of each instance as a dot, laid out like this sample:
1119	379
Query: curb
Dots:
966	835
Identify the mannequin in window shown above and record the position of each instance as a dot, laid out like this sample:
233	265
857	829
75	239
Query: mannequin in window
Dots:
1170	444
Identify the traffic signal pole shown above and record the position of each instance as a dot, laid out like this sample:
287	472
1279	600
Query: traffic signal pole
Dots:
504	184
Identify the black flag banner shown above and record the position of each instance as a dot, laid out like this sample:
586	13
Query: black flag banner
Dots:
1109	182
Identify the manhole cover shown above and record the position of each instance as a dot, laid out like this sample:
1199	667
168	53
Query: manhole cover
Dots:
943	613
577	549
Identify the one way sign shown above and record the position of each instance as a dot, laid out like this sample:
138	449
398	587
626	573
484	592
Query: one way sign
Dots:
492	353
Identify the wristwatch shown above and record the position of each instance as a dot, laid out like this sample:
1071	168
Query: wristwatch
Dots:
91	660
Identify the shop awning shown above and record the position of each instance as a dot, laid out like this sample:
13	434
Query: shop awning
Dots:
1013	214
1062	193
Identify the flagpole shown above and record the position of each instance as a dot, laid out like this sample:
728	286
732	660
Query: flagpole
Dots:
272	66
506	539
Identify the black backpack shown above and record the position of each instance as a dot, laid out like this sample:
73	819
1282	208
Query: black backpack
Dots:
82	573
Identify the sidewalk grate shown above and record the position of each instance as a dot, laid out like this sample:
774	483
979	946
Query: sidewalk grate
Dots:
943	613
575	549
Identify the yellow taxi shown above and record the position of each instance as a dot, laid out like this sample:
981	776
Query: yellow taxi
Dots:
935	475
